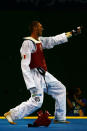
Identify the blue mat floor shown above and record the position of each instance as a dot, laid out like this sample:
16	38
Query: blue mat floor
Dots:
22	125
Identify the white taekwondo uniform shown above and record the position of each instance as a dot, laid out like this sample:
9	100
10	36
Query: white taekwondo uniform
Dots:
34	79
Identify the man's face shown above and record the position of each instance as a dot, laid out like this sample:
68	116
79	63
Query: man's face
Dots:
39	29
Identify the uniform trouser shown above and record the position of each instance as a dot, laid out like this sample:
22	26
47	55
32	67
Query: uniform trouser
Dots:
55	88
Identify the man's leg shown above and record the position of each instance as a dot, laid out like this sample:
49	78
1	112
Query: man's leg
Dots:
58	91
26	108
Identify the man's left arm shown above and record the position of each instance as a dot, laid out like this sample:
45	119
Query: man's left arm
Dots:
50	42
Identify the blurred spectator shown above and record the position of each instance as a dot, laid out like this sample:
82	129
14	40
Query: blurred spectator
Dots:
76	103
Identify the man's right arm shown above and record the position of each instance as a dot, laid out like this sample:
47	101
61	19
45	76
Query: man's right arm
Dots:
26	58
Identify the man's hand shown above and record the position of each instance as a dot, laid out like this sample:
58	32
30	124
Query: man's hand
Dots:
75	32
68	34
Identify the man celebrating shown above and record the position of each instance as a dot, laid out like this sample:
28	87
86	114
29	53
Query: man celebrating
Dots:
38	80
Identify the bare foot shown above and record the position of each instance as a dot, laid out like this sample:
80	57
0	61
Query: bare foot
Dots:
9	118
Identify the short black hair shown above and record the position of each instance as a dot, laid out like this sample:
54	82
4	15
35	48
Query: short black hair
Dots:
32	25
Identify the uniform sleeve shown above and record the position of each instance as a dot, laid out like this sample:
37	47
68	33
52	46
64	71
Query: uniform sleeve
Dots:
26	58
50	42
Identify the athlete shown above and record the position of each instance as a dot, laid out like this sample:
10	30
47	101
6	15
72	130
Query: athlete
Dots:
38	80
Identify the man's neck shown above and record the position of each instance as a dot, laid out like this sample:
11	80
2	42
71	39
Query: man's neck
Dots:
36	37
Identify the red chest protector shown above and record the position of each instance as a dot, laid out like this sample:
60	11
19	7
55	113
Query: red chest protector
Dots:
37	58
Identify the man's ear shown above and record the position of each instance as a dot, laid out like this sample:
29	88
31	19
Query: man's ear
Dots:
35	28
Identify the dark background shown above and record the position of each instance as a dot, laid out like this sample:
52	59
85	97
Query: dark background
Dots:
67	62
